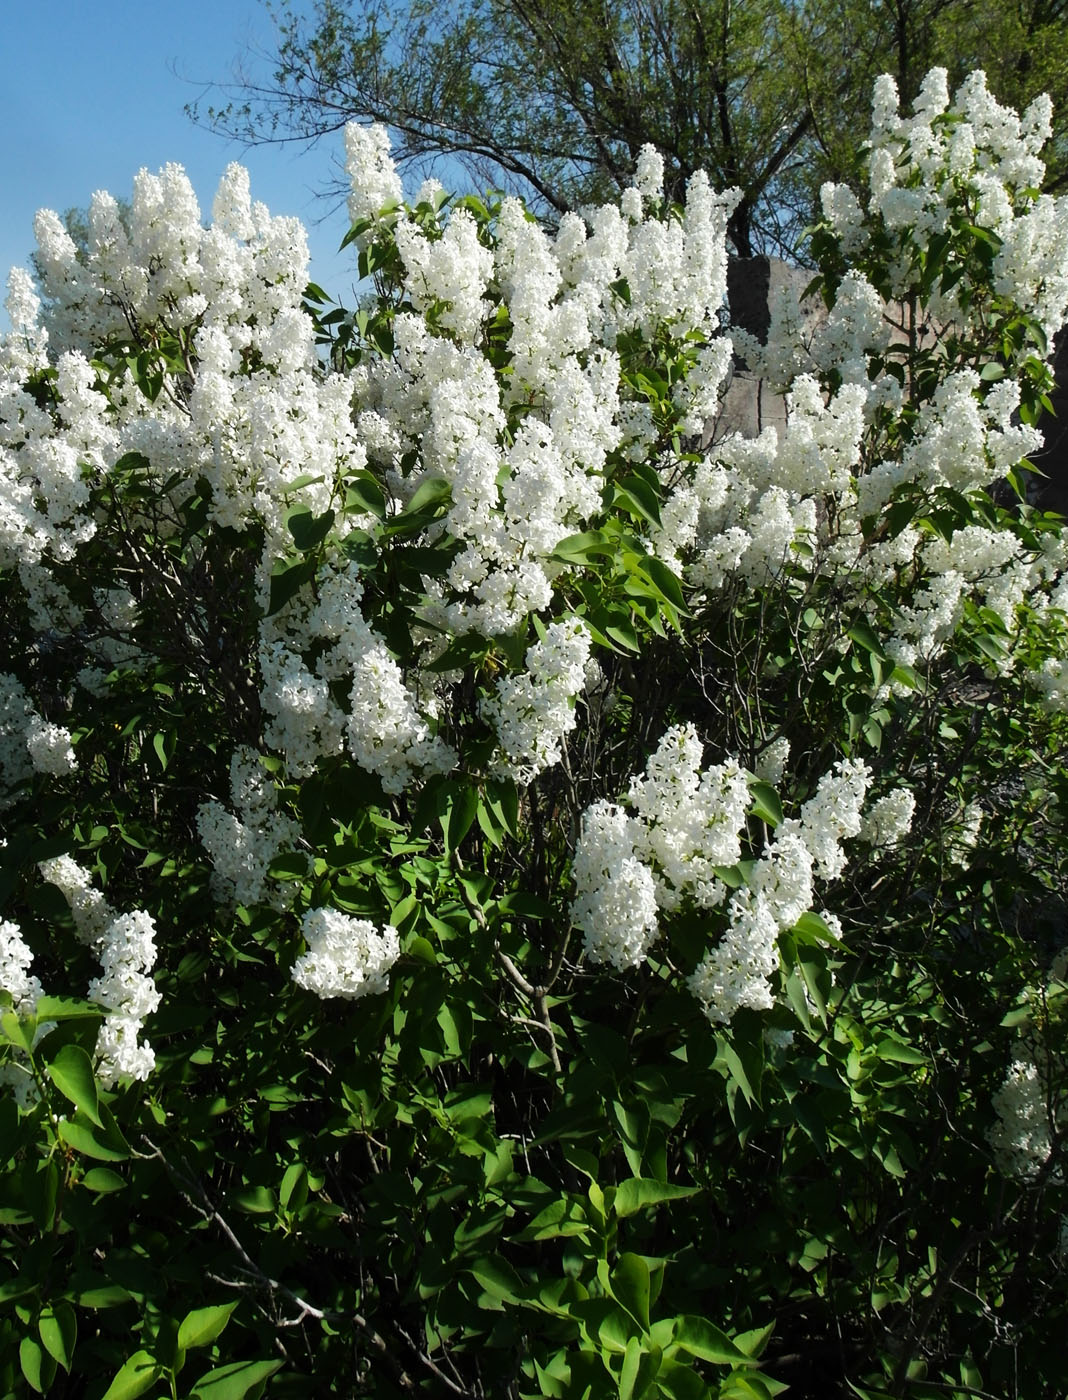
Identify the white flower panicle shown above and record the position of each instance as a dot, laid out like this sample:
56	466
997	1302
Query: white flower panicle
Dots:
737	972
346	957
369	166
1020	1138
128	994
615	896
1030	1108
91	912
15	978
534	711
28	743
125	945
631	869
690	821
888	820
242	847
831	815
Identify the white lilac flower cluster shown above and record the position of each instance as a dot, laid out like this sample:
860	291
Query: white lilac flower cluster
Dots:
1020	1137
25	991
627	867
737	972
888	820
15	979
388	725
533	712
125	945
808	498
918	166
242	847
515	497
1030	1107
28	743
631	868
346	957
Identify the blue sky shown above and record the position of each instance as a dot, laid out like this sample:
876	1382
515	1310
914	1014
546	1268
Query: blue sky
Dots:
91	92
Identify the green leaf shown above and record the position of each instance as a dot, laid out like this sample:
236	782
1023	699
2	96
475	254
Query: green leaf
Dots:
628	1376
432	492
864	635
584	548
287	579
308	530
498	1278
103	1180
363	494
254	1200
111	1295
457	807
58	1327
72	1073
630	1287
666	581
203	1325
524	906
638	1192
889	1048
18	1031
83	1139
234	1382
67	1009
133	1378
812	928
677	1382
562	1217
293	1192
37	1366
290	865
700	1338
616	1329
746	1076
766	805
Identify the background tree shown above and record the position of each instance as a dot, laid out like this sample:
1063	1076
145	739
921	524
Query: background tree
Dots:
554	100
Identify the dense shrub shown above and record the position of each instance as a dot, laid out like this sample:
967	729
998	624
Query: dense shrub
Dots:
507	890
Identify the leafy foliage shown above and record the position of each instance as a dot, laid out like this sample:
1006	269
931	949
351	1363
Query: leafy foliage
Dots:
514	1172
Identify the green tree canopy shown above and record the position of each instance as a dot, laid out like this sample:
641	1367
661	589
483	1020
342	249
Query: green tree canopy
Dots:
554	100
